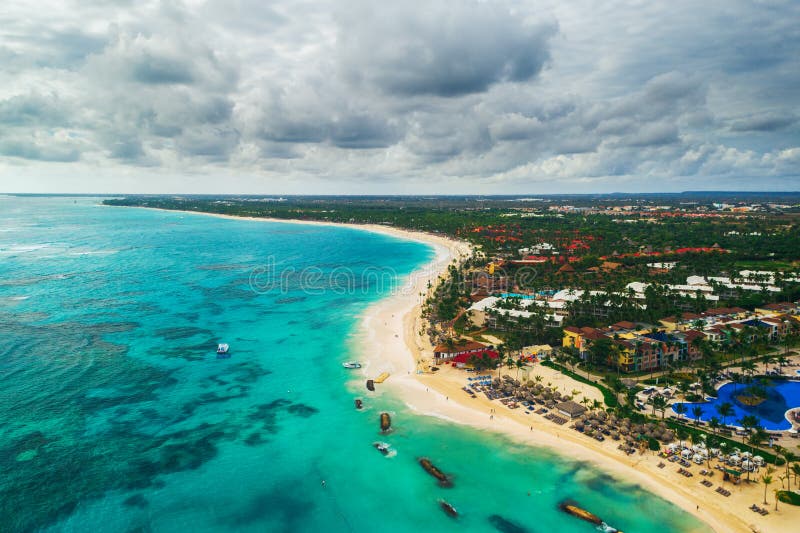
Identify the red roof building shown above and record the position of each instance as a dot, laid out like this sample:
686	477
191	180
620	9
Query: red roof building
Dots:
447	353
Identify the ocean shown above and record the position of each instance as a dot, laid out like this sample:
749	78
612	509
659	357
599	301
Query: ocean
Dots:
117	415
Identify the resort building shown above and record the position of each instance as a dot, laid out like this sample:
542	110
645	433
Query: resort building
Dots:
500	313
539	351
446	352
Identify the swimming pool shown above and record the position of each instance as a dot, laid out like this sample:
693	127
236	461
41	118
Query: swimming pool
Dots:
781	396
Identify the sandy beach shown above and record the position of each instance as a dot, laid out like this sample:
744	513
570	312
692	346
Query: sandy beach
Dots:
389	339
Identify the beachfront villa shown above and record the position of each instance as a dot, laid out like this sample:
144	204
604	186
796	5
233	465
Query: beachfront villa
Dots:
449	351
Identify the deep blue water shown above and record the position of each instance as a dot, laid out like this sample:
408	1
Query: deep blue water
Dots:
116	415
781	396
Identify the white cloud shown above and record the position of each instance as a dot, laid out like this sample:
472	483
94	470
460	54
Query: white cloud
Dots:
501	96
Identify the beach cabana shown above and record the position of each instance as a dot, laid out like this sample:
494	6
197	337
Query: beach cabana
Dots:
571	409
731	475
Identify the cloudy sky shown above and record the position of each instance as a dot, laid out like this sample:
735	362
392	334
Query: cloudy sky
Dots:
296	96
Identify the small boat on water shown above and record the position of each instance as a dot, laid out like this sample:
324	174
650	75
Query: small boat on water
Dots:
504	525
444	480
370	385
572	509
385	448
352	364
448	509
386	422
222	351
359	403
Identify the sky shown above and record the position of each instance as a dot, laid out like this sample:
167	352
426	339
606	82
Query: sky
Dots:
412	97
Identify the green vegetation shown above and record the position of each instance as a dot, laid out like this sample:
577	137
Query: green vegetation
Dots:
609	398
790	497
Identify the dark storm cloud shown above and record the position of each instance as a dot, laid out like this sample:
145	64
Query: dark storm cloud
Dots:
440	48
361	132
766	122
32	109
30	149
158	70
481	93
127	149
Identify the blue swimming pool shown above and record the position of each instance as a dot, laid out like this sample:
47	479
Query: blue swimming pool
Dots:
781	396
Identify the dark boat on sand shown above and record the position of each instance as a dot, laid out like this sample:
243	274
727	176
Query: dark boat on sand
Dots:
386	422
448	509
504	525
444	481
370	385
359	403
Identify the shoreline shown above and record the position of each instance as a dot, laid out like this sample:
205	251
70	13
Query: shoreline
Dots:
378	342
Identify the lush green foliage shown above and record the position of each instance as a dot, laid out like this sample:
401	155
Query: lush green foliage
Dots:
609	398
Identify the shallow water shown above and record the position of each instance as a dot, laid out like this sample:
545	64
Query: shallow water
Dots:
116	414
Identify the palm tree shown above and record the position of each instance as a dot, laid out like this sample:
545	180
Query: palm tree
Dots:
748	422
790	458
725	410
749	367
713	423
681	433
683	387
697	412
767	480
796	472
680	409
659	404
509	362
520	364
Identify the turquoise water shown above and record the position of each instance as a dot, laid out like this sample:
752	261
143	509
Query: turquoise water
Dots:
116	415
781	396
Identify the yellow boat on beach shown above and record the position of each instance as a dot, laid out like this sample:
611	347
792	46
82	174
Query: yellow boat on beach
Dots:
381	378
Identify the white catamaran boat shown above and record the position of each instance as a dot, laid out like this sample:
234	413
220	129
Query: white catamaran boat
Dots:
222	351
352	364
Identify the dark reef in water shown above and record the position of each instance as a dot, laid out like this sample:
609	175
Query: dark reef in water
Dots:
86	379
505	525
291	299
182	332
302	410
282	504
137	500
